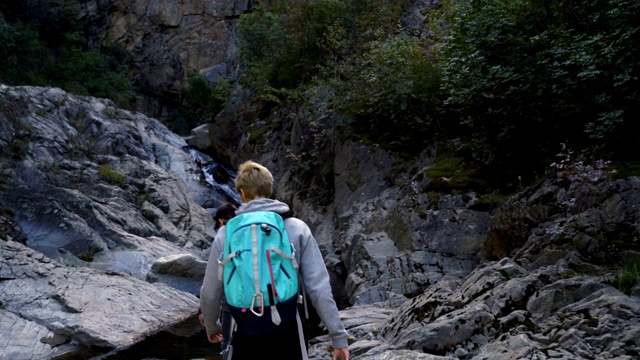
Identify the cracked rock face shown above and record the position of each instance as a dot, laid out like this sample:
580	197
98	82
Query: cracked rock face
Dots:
554	296
91	197
48	309
92	185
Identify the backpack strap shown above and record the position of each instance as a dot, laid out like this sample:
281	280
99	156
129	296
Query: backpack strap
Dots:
227	353
292	258
303	297
256	274
287	214
303	344
222	262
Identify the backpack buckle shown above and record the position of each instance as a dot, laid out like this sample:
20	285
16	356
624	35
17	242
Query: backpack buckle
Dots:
260	298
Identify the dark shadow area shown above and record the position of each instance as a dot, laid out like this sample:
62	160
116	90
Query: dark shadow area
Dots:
184	341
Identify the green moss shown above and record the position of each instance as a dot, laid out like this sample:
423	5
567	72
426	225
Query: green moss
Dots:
505	274
3	182
449	174
626	169
399	232
257	134
149	215
8	212
17	149
490	201
425	312
110	112
106	172
353	184
531	325
142	197
433	199
421	213
401	164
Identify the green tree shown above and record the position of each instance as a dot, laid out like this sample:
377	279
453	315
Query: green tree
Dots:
44	43
201	101
523	76
264	47
7	39
285	43
392	92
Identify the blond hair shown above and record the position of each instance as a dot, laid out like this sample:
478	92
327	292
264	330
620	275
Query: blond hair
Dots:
254	179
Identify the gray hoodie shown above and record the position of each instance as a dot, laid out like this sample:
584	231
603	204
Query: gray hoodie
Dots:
311	266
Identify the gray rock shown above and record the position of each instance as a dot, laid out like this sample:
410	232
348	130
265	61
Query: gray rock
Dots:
167	40
180	271
98	195
46	305
101	187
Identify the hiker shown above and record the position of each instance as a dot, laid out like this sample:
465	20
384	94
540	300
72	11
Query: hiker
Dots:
224	213
254	183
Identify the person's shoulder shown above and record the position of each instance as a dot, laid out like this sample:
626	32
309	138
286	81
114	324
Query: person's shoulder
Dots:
296	227
220	237
294	221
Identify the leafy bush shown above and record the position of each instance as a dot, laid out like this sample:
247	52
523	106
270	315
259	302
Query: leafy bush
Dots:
202	102
573	172
392	92
285	43
7	38
263	47
522	76
45	44
386	83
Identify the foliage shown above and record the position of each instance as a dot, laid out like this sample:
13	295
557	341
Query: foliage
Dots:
46	44
448	173
523	75
504	84
386	83
8	37
263	47
489	201
576	173
392	92
627	277
101	74
202	102
626	169
286	42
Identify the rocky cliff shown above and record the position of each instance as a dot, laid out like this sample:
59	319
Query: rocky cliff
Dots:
429	276
96	203
101	206
167	40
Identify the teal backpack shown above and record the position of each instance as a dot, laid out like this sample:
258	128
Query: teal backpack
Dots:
259	273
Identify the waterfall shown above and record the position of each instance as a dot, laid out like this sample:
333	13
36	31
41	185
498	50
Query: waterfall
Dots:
217	175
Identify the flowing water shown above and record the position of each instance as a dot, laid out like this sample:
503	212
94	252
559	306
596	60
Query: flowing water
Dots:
188	340
217	175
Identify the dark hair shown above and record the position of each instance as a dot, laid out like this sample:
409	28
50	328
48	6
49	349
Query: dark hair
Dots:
225	212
